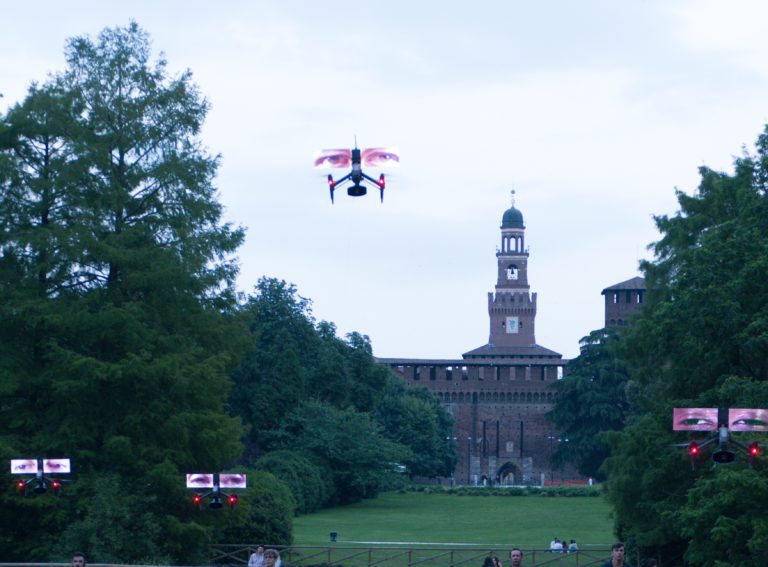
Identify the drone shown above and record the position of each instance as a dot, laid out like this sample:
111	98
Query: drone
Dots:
39	482
723	422
356	158
214	482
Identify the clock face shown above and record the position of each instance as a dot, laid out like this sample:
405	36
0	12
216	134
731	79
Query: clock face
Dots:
512	325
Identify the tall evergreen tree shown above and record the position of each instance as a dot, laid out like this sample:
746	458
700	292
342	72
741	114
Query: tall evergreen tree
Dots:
591	399
117	278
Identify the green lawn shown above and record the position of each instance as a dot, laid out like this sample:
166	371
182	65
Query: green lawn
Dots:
525	521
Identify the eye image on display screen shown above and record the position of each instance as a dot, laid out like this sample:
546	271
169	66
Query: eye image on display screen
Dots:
197	480
232	481
370	157
23	466
694	419
747	419
56	466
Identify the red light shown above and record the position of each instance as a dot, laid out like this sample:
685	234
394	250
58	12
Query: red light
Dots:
20	484
331	182
196	499
381	180
754	449
232	501
693	449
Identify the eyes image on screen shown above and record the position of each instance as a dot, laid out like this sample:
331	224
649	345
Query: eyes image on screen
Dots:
369	157
748	419
232	480
23	466
56	466
694	419
197	480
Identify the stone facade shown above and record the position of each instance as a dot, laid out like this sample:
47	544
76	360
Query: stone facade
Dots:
500	392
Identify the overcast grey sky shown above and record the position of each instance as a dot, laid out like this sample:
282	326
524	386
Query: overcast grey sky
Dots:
593	111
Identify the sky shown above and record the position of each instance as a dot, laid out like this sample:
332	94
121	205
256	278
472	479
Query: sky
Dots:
595	112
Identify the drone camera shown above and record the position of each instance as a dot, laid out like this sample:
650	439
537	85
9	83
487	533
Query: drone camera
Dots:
723	457
215	502
356	191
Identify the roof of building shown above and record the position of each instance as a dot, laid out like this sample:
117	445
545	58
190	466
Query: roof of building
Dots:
512	218
493	351
636	283
488	361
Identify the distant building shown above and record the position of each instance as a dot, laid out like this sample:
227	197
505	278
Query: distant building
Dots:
499	392
623	300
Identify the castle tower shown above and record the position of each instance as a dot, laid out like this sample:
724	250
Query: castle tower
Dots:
498	394
512	308
623	300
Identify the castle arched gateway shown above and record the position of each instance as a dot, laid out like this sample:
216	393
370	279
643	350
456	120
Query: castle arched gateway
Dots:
499	393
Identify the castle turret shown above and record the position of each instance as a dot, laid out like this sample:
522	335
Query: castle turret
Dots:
512	306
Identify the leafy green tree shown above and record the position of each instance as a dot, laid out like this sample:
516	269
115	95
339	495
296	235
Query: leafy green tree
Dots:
263	515
117	330
311	485
700	342
413	417
591	399
272	376
349	442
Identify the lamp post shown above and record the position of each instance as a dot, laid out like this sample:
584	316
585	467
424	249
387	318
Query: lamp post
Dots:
469	460
551	438
451	456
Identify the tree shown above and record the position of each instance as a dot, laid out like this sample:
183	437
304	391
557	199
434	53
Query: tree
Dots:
116	327
701	341
311	485
414	417
591	399
349	442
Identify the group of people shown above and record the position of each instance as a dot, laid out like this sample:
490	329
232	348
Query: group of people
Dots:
557	546
516	556
515	559
271	558
264	558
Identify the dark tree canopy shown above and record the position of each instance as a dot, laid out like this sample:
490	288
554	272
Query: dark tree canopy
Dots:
591	399
702	341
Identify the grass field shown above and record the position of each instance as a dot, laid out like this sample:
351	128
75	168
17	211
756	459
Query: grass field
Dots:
417	518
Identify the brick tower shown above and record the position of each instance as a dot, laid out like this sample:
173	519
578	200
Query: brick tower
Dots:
498	393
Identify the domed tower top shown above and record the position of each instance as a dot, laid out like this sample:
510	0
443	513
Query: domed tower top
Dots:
512	217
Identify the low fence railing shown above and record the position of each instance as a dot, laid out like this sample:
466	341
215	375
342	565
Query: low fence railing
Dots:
407	556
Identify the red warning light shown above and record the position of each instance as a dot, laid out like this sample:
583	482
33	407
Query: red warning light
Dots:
754	449
196	499
56	485
232	499
693	449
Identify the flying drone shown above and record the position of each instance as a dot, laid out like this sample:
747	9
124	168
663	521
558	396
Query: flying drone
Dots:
355	158
722	421
38	468
215	482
